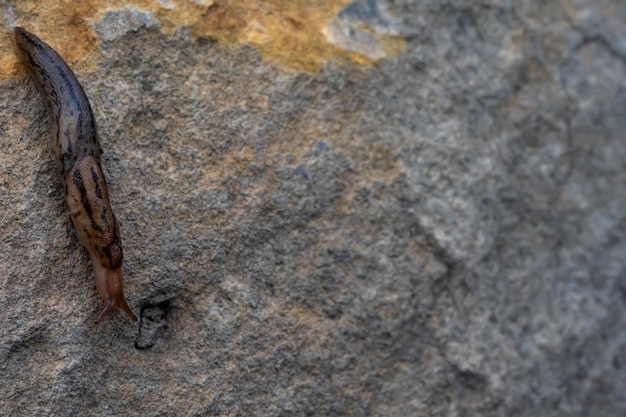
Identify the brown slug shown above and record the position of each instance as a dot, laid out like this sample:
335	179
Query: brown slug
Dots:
78	156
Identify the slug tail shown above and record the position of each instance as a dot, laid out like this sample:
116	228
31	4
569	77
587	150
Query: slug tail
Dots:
108	307
116	304
123	305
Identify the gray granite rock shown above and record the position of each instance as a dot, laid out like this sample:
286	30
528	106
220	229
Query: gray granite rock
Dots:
441	234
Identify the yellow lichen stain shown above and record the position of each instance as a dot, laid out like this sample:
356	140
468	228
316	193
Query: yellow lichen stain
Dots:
287	32
61	24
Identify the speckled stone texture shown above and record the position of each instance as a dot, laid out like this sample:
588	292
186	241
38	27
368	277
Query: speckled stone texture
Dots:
439	234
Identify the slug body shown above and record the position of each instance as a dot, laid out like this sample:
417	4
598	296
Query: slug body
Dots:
78	157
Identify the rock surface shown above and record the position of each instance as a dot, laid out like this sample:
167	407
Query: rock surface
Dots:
441	233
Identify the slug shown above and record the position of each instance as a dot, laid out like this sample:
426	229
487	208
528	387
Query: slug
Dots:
78	157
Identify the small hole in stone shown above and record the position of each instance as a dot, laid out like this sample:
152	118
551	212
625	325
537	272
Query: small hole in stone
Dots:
153	325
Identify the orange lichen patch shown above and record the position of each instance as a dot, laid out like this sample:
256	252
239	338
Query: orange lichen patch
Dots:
60	24
289	32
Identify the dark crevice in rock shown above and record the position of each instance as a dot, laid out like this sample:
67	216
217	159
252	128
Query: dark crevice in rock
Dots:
154	324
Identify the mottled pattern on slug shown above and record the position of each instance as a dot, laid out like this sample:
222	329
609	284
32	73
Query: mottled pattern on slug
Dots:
91	214
78	156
